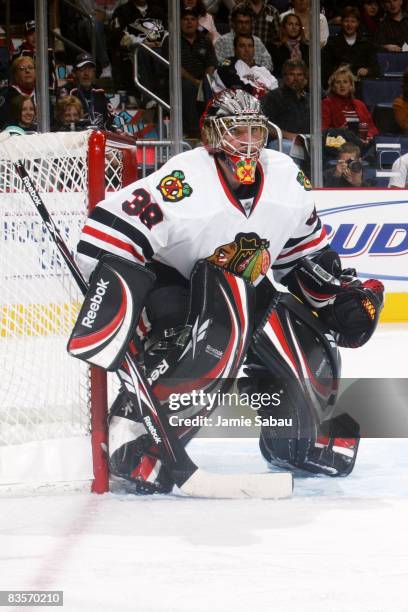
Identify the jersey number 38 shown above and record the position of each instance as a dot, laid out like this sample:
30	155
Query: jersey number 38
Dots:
140	205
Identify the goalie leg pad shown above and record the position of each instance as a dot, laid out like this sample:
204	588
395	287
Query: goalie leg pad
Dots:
301	361
197	355
109	314
132	455
212	345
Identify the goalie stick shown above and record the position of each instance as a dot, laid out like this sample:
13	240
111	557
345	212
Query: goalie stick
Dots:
190	479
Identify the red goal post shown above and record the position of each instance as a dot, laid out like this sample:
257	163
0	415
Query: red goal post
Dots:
53	409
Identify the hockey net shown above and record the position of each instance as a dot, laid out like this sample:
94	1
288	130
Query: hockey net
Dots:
52	407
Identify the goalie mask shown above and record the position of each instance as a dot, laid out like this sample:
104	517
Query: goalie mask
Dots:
234	124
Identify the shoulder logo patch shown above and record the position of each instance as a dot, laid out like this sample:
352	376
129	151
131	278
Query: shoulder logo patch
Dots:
304	181
173	188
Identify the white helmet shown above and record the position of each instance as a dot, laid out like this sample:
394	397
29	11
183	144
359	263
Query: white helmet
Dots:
233	122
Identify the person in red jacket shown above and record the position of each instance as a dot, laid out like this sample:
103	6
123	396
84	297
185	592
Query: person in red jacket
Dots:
342	110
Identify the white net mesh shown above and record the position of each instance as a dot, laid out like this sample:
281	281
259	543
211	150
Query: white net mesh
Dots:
43	392
113	169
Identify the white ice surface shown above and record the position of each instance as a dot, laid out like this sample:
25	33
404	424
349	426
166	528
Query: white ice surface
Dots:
338	545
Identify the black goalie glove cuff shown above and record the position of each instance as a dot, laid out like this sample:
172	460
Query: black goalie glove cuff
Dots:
349	307
320	279
354	313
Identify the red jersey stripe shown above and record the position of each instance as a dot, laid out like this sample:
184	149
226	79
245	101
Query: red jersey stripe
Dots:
307	245
120	244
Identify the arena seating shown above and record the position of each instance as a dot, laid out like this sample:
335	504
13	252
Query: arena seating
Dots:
378	91
392	64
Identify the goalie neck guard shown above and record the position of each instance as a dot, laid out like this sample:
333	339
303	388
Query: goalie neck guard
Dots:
233	124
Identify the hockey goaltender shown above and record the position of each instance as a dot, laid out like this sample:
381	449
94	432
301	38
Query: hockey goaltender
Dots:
199	246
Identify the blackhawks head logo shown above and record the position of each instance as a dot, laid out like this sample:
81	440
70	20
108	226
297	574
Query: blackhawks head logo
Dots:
172	187
247	256
303	180
245	171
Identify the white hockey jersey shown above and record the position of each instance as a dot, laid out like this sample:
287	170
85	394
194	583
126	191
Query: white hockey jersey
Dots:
185	212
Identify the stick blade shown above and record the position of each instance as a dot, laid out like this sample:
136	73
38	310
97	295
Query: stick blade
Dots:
239	486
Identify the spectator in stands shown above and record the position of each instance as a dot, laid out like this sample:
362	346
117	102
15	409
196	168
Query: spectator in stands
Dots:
400	105
197	60
80	22
371	14
28	48
23	75
75	25
241	22
265	21
22	83
400	168
93	99
98	14
23	113
341	109
348	169
105	8
393	29
69	115
4	59
123	35
349	47
213	6
333	9
292	44
288	106
302	9
241	71
205	19
220	10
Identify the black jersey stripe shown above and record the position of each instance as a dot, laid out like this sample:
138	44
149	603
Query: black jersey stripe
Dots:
108	219
283	266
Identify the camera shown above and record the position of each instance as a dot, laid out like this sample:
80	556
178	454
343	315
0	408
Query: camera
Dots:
354	165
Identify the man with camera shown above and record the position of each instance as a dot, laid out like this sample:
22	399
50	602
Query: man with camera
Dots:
348	171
